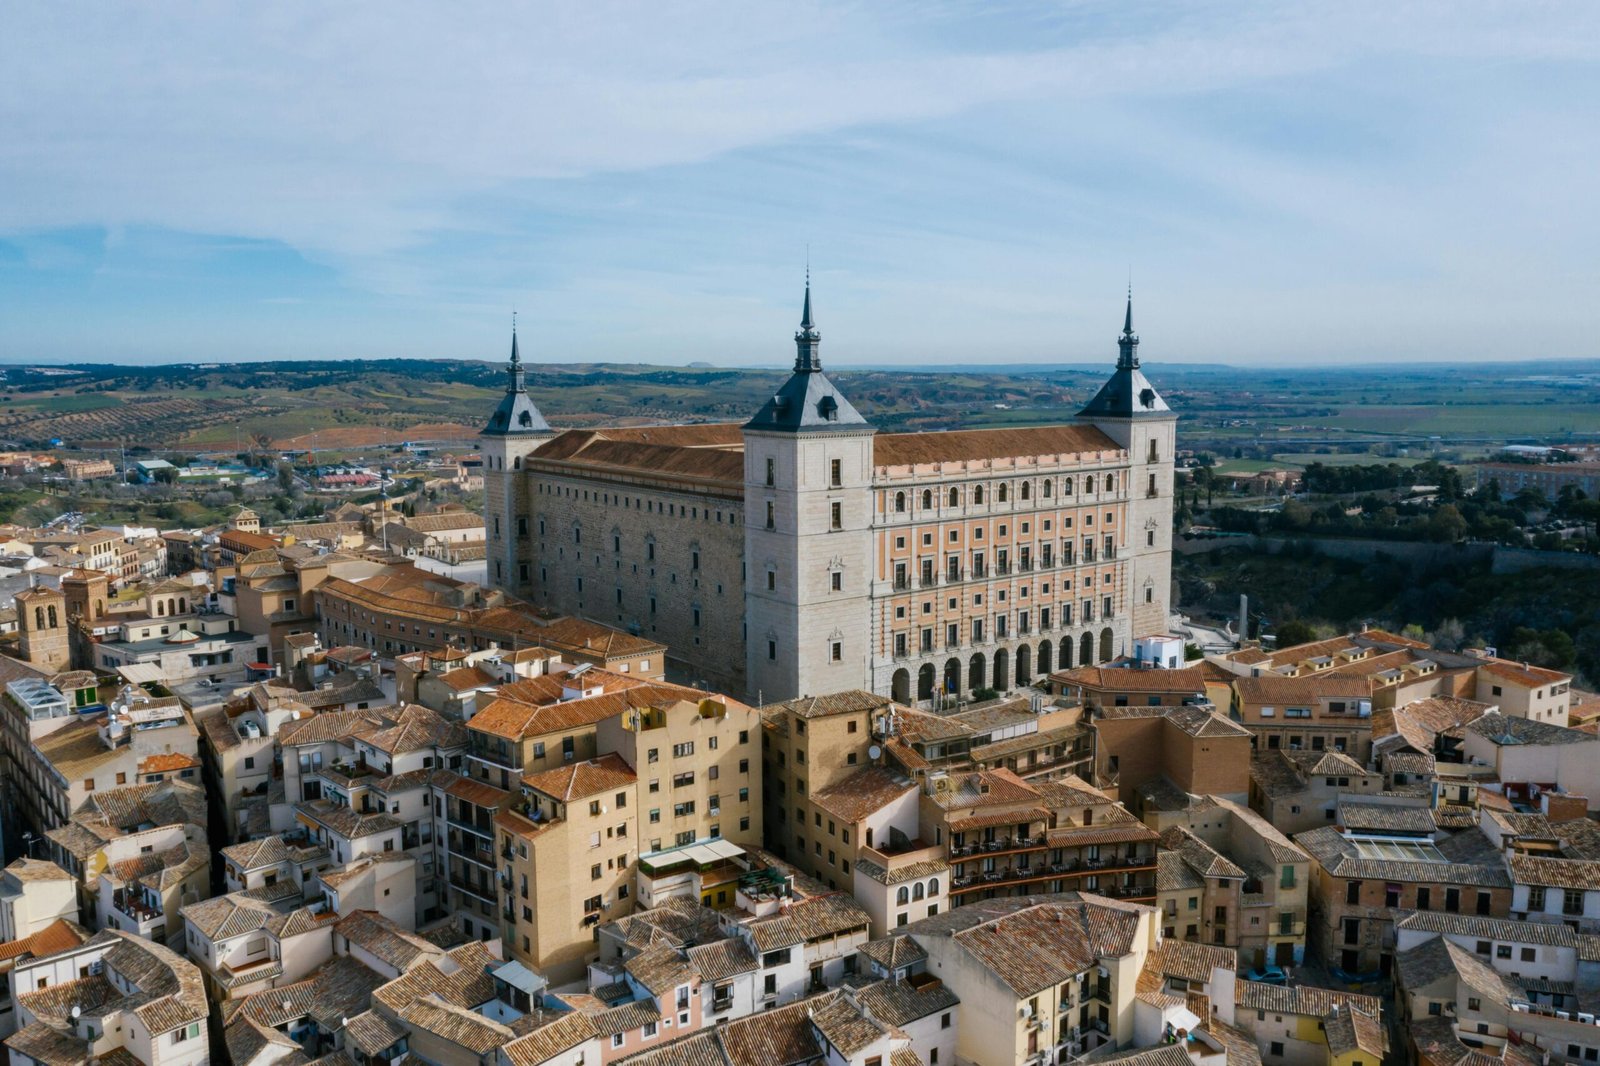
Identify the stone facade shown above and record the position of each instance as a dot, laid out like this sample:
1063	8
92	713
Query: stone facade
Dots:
805	553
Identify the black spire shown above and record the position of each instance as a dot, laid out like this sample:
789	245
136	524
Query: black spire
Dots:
807	359
1128	343
516	382
517	412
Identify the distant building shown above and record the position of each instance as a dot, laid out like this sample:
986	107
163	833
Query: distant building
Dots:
1548	478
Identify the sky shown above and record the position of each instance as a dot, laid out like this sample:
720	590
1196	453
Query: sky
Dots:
1286	183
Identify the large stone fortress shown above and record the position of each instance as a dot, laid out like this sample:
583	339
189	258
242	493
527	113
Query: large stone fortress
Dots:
804	553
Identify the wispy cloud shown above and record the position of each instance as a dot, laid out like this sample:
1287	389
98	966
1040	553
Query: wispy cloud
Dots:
975	176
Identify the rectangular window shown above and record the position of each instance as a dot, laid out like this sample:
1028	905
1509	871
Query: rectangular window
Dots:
836	473
837	510
771	464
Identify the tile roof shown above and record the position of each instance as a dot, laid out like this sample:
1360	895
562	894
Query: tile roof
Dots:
459	1026
862	793
1275	689
1306	1000
255	854
466	985
1187	680
1385	818
1556	873
1175	875
1337	855
549	1038
1199	722
1523	674
580	780
372	1032
843	1025
905	1001
698	1049
985	788
910	872
59	935
847	702
1353	1030
722	959
1504	730
27	870
1032	942
1192	962
1037	444
894	952
1420	966
781	1037
1201	857
385	940
660	969
224	917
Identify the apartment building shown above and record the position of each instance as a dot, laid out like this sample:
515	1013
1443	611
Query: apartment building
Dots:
34	895
1308	713
832	557
1196	751
57	936
582	819
1401	670
149	876
113	996
1360	878
1299	789
1530	756
1096	687
1308	1026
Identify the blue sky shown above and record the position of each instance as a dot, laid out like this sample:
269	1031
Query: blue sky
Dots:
1295	183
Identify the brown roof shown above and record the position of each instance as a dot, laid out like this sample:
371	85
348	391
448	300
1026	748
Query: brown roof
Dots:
1188	679
1035	443
578	780
849	701
862	793
563	1032
1523	673
1276	689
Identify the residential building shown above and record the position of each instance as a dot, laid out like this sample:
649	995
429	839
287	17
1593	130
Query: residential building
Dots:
57	936
1317	712
34	895
1302	1025
114	996
1195	750
1360	878
1297	789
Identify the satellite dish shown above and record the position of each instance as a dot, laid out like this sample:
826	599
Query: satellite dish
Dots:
77	1012
874	753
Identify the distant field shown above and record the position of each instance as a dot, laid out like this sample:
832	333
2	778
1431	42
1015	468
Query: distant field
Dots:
93	401
1487	419
1347	459
1247	466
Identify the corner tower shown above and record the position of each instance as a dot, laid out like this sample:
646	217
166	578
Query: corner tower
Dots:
1130	411
807	541
515	431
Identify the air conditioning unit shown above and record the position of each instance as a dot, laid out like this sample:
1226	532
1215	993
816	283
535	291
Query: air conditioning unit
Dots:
96	966
1587	1019
1025	1011
1519	1008
1563	1015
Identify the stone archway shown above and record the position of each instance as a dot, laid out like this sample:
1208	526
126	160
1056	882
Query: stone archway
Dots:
925	681
1002	670
1024	665
1086	650
1044	659
976	674
952	677
1105	644
1065	662
900	687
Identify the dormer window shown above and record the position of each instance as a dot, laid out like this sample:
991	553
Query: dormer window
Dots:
828	408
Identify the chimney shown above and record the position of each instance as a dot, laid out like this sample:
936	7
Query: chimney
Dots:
1244	618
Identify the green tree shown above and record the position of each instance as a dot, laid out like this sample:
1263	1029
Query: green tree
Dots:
1446	524
1295	632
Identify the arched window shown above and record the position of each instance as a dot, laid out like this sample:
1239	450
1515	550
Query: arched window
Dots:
900	503
161	608
183	605
903	896
916	891
933	887
927	499
1000	494
1045	486
38	618
1024	490
1066	486
977	494
1111	483
955	497
52	616
1088	484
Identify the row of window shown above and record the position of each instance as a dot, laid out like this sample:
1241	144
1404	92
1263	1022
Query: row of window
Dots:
1002	492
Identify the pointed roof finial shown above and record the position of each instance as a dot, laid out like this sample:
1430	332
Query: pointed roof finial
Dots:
1127	322
515	358
805	315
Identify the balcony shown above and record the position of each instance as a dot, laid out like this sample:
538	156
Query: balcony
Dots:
999	846
1074	869
901	582
462	884
929	580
